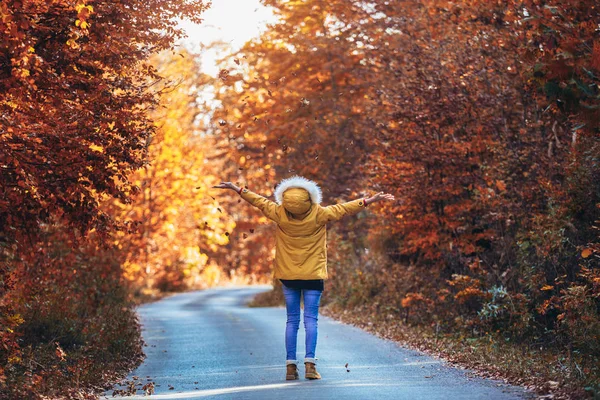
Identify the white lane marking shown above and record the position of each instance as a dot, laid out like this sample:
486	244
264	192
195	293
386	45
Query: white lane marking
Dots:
215	392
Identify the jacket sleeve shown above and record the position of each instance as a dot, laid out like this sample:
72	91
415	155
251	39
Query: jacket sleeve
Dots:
268	207
337	211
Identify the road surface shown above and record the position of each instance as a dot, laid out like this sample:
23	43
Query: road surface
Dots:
209	344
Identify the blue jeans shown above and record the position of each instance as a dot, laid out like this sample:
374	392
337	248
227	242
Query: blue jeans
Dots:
312	298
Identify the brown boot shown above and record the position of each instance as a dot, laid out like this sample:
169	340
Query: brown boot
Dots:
291	372
311	371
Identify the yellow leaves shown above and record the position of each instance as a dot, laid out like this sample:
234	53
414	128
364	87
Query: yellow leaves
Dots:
547	287
96	148
15	320
72	41
83	13
14	360
22	72
82	24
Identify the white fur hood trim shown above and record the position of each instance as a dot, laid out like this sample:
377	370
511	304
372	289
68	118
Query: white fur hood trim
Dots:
299	182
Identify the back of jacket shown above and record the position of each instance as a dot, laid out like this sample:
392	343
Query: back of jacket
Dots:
301	241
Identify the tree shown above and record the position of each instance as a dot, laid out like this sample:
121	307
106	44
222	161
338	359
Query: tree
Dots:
76	89
178	221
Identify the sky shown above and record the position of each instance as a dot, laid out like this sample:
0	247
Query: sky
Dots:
231	21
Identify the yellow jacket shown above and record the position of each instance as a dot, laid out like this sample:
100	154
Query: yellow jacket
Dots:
301	244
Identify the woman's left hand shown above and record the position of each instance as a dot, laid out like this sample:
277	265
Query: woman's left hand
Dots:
227	185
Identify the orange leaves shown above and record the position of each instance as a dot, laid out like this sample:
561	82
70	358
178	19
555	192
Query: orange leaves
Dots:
412	299
501	185
468	294
468	288
586	253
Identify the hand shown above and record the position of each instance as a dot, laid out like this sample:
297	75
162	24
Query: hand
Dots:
227	185
380	197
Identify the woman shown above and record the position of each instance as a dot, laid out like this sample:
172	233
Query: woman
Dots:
301	254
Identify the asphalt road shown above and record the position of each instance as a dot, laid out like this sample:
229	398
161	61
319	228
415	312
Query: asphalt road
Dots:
209	344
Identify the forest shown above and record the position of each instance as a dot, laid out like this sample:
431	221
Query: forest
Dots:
481	117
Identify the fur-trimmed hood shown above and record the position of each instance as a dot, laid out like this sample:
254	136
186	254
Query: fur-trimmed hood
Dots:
311	187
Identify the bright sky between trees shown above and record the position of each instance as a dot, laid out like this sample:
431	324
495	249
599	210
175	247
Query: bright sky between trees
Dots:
229	21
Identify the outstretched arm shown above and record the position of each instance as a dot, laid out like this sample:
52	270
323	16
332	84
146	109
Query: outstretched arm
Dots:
338	211
268	207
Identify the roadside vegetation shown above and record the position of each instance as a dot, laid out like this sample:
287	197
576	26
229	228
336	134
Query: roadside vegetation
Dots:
482	118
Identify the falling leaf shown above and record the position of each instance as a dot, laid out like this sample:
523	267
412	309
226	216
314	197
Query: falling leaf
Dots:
245	235
501	185
547	287
586	253
235	60
218	208
251	230
226	233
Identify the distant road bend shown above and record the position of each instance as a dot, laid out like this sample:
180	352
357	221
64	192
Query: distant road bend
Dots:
209	344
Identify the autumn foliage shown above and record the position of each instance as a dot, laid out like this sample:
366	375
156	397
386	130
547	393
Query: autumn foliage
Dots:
76	94
481	117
